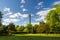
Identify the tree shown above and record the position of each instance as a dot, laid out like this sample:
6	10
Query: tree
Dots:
35	27
42	28
53	19
1	23
21	28
17	28
0	18
26	30
30	28
11	27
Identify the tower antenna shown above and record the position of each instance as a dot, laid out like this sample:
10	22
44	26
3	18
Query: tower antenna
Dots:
29	18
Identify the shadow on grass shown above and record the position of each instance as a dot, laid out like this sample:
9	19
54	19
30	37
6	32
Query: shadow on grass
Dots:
28	38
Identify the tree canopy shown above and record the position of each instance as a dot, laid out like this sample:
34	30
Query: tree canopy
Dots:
0	18
53	18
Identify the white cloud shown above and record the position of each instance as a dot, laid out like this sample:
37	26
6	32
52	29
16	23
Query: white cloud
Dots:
22	1
14	15
9	13
24	15
11	20
40	3
32	15
8	20
24	9
40	18
7	9
4	23
22	6
42	14
57	2
18	14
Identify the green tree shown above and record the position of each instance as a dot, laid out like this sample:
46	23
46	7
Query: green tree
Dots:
35	27
42	28
17	28
30	28
26	30
53	19
1	23
11	27
21	28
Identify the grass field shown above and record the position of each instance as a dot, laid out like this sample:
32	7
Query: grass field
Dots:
46	35
31	37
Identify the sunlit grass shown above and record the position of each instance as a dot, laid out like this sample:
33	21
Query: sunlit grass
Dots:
31	37
28	37
47	35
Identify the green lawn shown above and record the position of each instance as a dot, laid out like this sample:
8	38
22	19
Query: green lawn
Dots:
31	37
46	35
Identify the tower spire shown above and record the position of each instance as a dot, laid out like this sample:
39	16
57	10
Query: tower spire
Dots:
29	18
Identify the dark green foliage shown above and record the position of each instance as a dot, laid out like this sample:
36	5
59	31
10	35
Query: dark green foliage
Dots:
21	28
11	26
34	28
30	28
0	18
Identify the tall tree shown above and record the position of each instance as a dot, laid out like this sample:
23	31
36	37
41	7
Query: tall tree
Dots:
42	28
11	27
0	18
17	28
35	27
30	28
53	19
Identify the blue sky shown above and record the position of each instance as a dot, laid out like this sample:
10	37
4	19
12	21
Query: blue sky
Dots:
16	11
